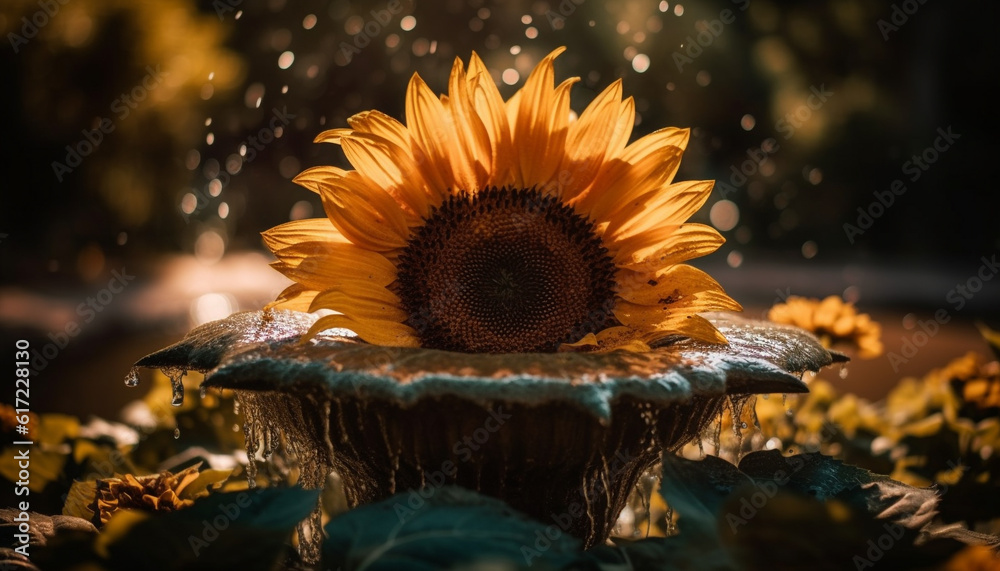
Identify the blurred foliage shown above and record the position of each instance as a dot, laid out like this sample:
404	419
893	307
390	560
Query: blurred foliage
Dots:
141	68
223	84
245	530
833	320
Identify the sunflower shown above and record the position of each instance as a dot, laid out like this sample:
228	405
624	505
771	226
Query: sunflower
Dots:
484	225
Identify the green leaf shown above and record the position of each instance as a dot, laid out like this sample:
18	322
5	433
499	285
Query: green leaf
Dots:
791	512
239	530
449	527
697	491
824	478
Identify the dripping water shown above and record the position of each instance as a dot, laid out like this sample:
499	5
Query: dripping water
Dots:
645	500
310	534
736	411
586	501
606	478
250	435
343	425
264	429
717	434
671	528
843	371
203	392
176	377
132	378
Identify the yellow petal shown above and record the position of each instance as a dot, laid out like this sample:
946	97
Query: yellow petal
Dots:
308	230
670	206
544	168
665	137
701	329
375	331
332	135
613	165
669	245
316	178
433	130
669	304
470	133
320	265
654	325
655	158
588	340
367	215
533	113
390	168
490	107
623	128
587	141
669	298
619	184
295	297
610	339
379	124
360	301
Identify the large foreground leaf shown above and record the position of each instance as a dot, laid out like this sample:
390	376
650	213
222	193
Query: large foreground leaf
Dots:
793	512
245	530
442	528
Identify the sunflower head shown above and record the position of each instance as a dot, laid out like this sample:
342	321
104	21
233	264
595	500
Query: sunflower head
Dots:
484	225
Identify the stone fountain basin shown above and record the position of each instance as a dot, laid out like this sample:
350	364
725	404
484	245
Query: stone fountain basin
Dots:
563	437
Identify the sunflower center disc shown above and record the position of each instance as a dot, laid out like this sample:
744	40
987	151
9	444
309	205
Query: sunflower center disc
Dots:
505	271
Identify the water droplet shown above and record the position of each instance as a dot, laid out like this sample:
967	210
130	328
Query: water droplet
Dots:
203	391
177	382
177	433
717	434
843	371
310	533
236	428
736	406
132	378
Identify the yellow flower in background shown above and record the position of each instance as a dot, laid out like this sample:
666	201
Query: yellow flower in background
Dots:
98	500
833	320
484	225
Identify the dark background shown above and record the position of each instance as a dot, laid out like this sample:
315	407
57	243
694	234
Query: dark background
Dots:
144	200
